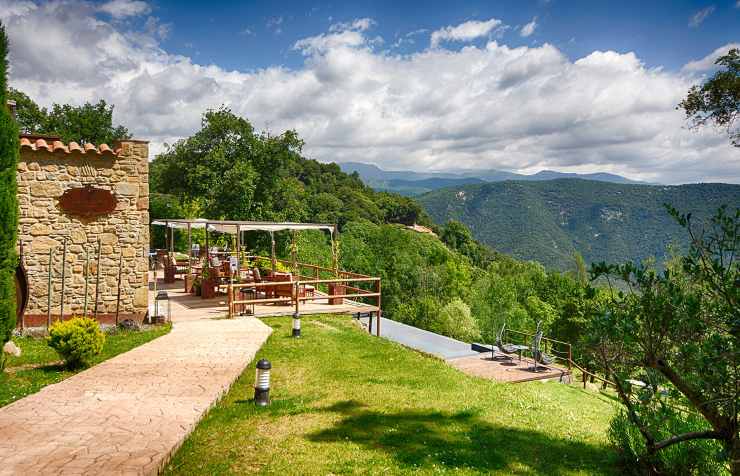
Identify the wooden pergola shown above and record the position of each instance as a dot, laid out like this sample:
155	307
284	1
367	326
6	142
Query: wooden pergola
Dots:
237	227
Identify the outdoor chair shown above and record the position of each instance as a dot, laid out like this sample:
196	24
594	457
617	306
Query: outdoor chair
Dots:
258	279
171	269
506	349
538	355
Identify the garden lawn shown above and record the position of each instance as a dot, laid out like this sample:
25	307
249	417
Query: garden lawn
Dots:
345	402
39	365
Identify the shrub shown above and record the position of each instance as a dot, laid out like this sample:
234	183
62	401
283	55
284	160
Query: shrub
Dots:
695	457
454	320
8	201
76	340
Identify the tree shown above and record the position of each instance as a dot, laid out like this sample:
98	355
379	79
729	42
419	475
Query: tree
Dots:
459	238
89	123
8	200
678	332
31	119
237	173
717	101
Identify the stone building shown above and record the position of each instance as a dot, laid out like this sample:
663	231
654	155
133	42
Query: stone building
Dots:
84	195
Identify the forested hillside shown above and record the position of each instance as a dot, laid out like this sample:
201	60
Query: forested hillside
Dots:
407	182
549	221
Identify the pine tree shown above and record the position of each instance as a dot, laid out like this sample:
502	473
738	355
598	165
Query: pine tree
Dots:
8	199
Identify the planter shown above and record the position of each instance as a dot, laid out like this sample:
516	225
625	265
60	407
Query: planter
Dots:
208	289
337	289
189	283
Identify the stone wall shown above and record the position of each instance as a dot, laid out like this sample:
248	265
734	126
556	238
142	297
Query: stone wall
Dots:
43	176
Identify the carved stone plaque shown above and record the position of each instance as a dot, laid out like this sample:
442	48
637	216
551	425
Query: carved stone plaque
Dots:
87	201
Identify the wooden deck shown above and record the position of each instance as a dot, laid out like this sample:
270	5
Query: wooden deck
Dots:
508	370
218	305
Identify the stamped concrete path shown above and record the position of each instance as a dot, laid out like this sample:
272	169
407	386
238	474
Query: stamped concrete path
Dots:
128	414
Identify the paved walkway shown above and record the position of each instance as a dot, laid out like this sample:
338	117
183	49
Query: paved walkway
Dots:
128	414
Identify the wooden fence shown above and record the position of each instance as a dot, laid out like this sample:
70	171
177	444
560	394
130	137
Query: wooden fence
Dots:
353	286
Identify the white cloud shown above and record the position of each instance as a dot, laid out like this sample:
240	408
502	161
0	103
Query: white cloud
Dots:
10	9
707	63
125	8
491	106
529	28
360	24
699	17
467	31
275	24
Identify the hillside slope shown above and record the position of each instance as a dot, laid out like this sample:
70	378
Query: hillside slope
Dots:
548	221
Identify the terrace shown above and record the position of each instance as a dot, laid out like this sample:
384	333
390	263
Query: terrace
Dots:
262	286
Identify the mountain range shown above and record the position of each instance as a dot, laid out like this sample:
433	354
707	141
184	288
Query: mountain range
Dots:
548	221
411	183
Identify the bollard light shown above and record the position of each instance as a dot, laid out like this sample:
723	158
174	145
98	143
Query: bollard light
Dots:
162	296
262	383
296	325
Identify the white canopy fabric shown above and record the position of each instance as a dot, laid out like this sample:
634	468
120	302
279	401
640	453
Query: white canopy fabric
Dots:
234	227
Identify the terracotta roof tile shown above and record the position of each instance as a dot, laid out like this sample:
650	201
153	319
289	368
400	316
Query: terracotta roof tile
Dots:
59	146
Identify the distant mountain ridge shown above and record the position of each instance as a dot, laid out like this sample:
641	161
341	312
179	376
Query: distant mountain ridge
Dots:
548	221
416	183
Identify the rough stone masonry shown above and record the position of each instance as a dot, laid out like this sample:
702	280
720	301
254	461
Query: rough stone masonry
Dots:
46	170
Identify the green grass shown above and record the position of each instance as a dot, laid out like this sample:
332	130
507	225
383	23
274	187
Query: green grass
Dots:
348	403
39	365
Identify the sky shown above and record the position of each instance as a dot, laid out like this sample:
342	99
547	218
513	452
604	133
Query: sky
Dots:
574	86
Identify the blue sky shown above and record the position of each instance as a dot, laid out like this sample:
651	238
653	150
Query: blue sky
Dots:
572	86
244	35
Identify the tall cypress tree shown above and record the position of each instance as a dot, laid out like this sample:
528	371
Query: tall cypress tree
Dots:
8	199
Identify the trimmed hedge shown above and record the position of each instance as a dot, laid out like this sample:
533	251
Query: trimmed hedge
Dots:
8	200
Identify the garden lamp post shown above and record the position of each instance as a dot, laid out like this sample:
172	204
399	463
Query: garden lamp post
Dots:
262	383
162	296
296	325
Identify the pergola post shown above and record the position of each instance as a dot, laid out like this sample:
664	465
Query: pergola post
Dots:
273	257
208	249
190	251
238	253
294	251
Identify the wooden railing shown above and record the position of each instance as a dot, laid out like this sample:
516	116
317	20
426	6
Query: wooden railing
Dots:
350	288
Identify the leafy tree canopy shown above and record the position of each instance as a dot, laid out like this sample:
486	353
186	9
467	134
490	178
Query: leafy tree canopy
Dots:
717	101
678	332
236	173
89	123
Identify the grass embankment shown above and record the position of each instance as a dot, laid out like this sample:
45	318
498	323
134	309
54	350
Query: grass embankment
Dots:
348	403
40	365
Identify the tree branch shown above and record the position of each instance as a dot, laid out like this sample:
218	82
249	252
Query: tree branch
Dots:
709	412
692	435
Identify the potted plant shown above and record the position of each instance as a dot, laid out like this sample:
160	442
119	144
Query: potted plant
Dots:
208	286
197	286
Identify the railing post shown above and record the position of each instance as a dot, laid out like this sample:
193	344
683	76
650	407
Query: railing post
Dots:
377	324
230	299
296	296
570	358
